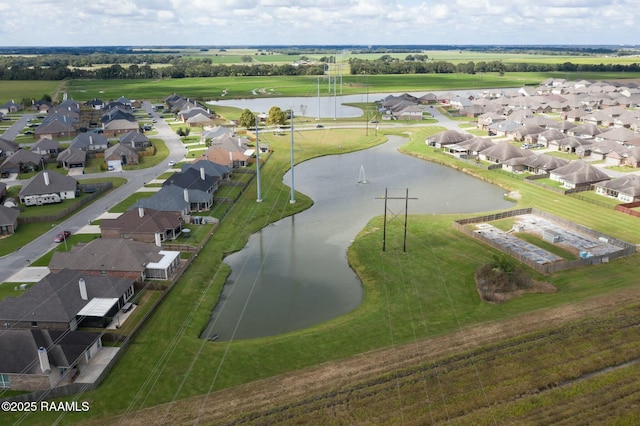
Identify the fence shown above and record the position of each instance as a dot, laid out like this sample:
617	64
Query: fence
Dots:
626	249
627	208
75	204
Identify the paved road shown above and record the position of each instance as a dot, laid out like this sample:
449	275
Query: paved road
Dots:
12	263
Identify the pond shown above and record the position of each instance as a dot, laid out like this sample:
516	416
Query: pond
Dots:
294	273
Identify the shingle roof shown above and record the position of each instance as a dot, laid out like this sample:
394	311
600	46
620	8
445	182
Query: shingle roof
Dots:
57	183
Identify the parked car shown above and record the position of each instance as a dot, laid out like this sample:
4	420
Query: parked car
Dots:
319	126
62	236
172	163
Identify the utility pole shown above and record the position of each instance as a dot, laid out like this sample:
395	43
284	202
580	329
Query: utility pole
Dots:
293	195
259	199
406	213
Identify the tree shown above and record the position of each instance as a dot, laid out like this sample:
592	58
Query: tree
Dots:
276	116
247	119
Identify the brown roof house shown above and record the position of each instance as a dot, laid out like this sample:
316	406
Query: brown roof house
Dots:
118	257
121	155
625	188
145	225
578	173
447	137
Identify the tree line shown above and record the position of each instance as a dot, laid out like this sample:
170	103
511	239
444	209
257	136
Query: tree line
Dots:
69	66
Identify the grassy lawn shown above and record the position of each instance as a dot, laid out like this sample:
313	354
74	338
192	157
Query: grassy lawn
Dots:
124	205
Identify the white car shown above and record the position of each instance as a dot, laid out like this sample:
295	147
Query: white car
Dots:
172	163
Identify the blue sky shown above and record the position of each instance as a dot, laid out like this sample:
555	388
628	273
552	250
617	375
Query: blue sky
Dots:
295	22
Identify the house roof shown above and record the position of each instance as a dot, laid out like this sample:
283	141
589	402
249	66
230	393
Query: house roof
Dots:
580	172
72	155
107	254
57	297
168	198
22	156
119	149
504	151
88	139
143	221
449	137
19	348
192	179
8	146
627	184
56	183
46	144
132	137
210	168
8	215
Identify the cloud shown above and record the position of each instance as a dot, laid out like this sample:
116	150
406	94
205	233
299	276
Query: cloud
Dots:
229	22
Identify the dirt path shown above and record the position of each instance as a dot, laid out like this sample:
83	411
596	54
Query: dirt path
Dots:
295	387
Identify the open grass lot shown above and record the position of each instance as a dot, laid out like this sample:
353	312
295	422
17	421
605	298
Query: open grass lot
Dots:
213	88
412	300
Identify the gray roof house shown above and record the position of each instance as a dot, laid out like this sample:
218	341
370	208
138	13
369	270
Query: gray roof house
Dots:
67	300
72	157
200	187
32	360
168	198
8	220
89	142
49	182
46	146
22	161
503	151
135	140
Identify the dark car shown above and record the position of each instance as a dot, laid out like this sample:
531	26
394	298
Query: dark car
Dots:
319	126
62	236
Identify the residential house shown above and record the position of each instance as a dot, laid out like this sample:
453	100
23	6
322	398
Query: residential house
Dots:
167	199
23	161
46	147
67	299
8	220
578	173
90	142
56	127
625	188
7	148
145	225
200	187
9	107
528	130
46	185
119	258
505	128
135	140
35	359
72	158
447	137
95	103
502	151
585	131
210	168
543	163
469	147
619	135
120	155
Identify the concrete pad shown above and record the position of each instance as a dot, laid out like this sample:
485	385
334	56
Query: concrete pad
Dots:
32	274
149	189
107	215
89	229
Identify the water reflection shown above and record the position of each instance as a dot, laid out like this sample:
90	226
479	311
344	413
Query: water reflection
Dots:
294	273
